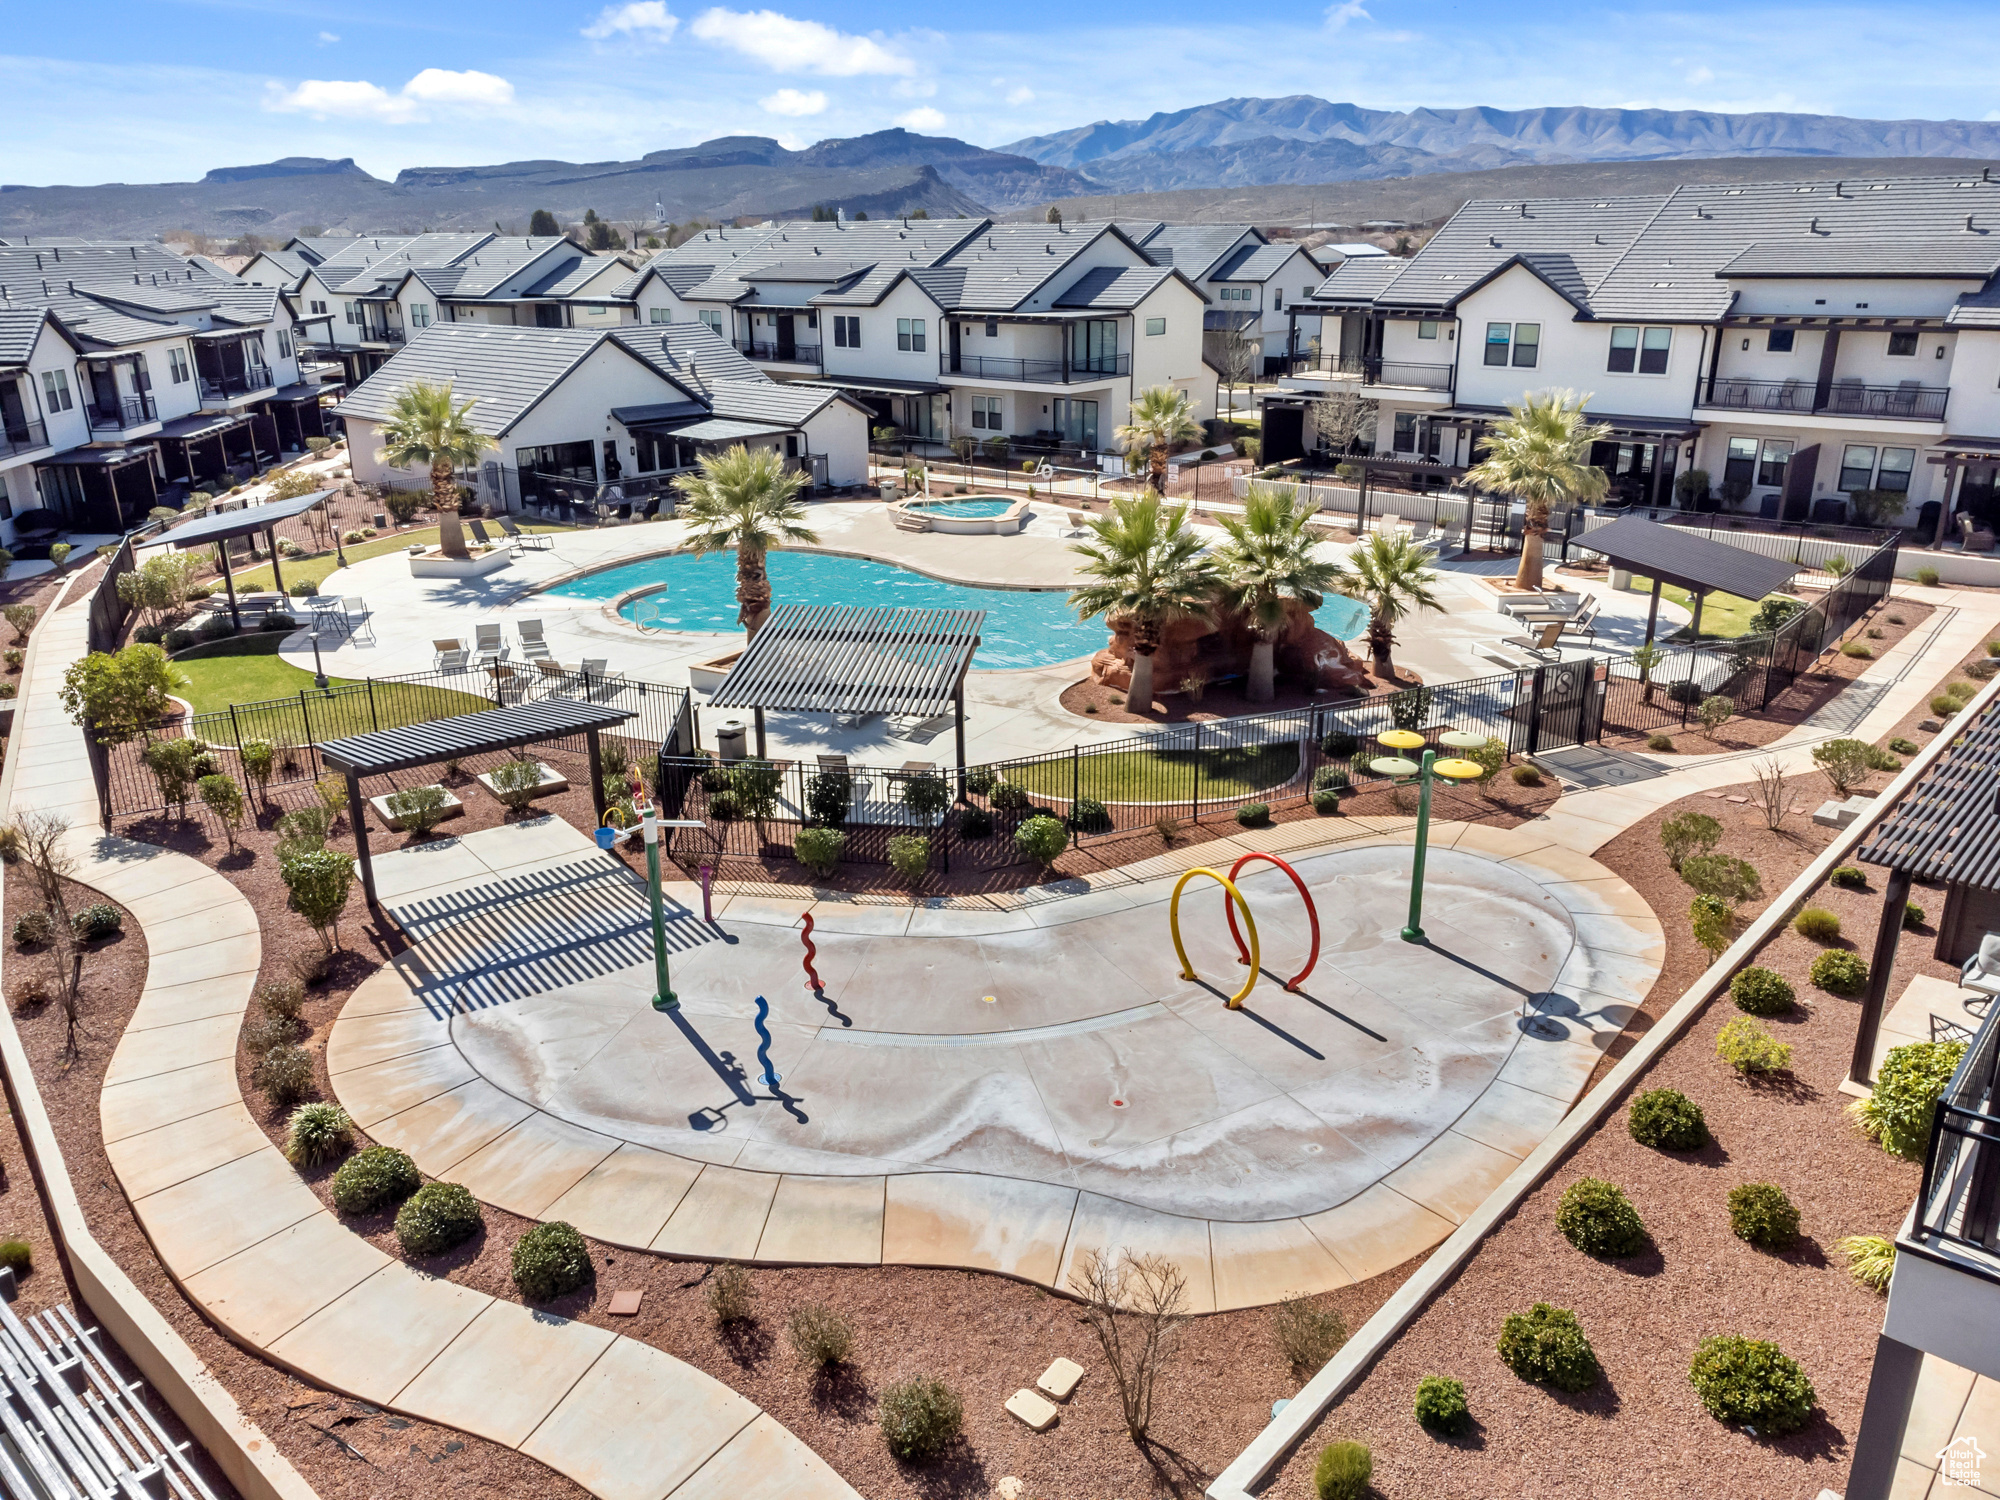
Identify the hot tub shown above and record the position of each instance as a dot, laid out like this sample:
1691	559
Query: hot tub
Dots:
963	515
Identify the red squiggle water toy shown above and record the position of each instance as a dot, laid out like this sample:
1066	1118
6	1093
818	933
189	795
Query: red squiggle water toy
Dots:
812	977
1229	908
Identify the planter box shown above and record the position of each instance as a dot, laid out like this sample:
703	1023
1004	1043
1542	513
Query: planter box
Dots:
453	808
706	676
552	782
432	563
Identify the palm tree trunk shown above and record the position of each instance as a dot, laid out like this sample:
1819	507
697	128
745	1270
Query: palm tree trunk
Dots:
444	500
1139	698
753	590
1529	574
1156	468
1379	642
1263	671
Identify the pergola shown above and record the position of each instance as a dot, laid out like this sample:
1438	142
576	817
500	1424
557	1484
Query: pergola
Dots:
1669	554
229	525
848	659
382	751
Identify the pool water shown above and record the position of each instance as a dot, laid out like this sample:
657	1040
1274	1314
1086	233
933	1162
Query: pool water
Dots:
1023	628
967	510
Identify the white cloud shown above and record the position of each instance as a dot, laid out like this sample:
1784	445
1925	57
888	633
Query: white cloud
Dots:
793	102
1022	95
925	118
327	38
356	99
1701	75
1339	15
790	45
641	20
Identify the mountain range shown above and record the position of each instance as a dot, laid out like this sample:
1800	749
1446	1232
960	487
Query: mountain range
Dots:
1230	144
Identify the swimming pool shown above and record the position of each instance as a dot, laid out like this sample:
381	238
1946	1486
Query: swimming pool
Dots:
970	510
1024	627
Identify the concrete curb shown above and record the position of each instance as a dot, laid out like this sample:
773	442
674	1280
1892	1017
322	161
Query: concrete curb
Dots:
1277	1440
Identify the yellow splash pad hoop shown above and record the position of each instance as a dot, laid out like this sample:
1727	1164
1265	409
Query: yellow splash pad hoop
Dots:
1249	922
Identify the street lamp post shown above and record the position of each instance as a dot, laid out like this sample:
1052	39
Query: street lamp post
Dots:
1423	774
664	997
319	672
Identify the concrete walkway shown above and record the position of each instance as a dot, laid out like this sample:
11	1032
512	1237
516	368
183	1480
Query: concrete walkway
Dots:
252	1247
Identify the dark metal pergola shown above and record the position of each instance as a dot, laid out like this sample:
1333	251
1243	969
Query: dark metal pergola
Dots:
848	659
1670	554
383	751
219	530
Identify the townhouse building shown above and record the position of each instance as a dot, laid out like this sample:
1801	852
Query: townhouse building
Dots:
129	377
1250	280
1798	342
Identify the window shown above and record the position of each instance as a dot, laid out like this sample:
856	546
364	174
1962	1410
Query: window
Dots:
713	318
1779	340
993	328
177	366
1857	466
1903	343
1093	345
1741	465
661	315
910	335
846	332
1406	432
1527	344
1427	328
1897	464
1077	422
986	413
1155	327
1277	299
318	307
420	315
1777	458
284	343
1498	337
55	387
353	311
1653	350
1624	351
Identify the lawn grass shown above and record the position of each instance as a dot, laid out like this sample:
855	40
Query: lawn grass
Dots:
1164	775
1724	617
247	669
315	566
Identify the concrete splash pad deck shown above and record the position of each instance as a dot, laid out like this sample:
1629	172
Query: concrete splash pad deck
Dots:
1302	1142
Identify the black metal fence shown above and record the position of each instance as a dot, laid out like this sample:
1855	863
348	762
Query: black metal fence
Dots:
1960	1200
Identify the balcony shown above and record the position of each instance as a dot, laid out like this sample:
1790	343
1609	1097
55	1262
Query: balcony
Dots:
1037	371
220	390
787	354
1907	400
1369	370
22	437
1958	1207
133	411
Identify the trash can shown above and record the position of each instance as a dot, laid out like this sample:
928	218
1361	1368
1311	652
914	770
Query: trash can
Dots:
891	489
1621	580
381	522
732	740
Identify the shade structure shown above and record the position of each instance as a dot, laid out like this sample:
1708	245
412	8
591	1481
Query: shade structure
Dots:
1672	554
1948	827
228	525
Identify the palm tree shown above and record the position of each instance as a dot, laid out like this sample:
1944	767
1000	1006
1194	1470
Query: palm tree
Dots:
1150	568
1161	417
747	500
426	427
1393	579
1268	561
1539	454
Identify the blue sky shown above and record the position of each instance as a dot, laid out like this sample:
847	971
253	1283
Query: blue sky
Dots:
165	89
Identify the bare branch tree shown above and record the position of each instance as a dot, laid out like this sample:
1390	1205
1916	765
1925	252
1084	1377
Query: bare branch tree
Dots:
1239	362
1340	419
1775	794
1135	1306
49	865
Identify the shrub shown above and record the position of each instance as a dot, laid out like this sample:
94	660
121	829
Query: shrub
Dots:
282	998
1660	744
1042	839
1527	776
436	1217
373	1179
1845	763
1818	924
1897	1114
819	1336
178	640
1928	577
284	1074
1871	1259
150	635
1088	815
317	1132
1326	801
1749	1048
1667	1120
265	1032
1441	1404
277	621
1903	746
1762	992
1960	693
1722	875
1760	1213
1713	920
1254	814
221	796
723	807
515	782
259	759
1597	1218
829	798
302	832
1308	1332
22	618
550	1261
1343	1471
1004	794
1839	972
1858	648
1340	745
1489	757
910	855
59	553
975	823
980	779
1546	1345
17	1256
319	881
929	796
1331	779
1751	1383
402	506
1913	917
1882	760
920	1418
730	1295
1687	692
332	793
1715	711
352	535
1409	708
33	928
818	849
1848	878
1944	707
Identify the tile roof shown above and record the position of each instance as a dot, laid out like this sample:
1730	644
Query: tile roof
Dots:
1193	249
565	277
293	263
173	297
1486	234
374	267
1113	286
504	370
1359	280
688	353
1971	255
1979	309
729	256
1006	264
19	328
1253	263
770	401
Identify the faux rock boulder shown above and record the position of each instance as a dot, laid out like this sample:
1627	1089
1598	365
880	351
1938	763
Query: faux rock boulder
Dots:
1220	648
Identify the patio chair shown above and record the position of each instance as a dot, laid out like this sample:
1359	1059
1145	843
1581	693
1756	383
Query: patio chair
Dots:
1902	401
1583	622
535	541
595	676
1975	535
1849	394
1982	971
1785	397
556	677
533	646
1542	644
478	529
509	685
833	765
354	611
1513	661
1547	606
1079	522
451	655
487	646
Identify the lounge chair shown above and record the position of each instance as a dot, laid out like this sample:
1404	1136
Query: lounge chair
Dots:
1976	536
556	677
536	541
1542	644
451	656
1548	606
595	676
1982	971
487	646
1079	521
1584	622
354	610
509	685
1513	661
533	646
478	529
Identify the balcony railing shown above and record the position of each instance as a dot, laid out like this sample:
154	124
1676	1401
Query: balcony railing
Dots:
218	389
22	437
130	412
1907	400
1960	1201
1037	371
795	353
1401	374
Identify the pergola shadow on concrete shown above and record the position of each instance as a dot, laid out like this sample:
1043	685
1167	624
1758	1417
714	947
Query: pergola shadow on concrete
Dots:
219	531
384	751
848	659
1668	554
